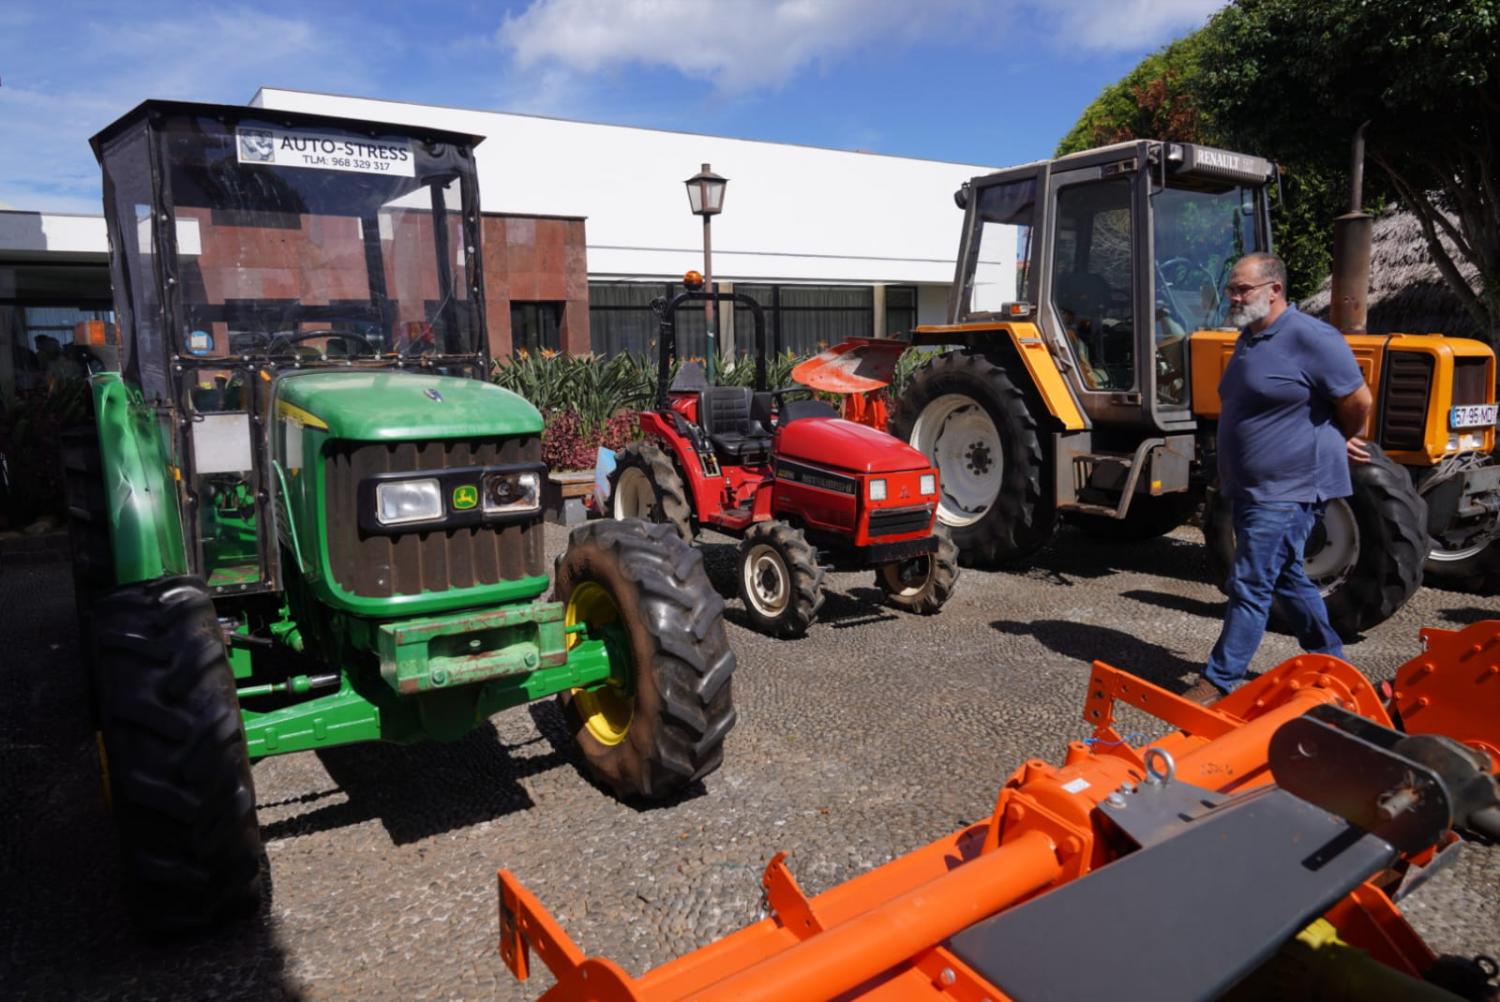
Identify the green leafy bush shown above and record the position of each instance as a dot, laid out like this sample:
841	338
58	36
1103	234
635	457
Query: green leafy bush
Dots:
31	440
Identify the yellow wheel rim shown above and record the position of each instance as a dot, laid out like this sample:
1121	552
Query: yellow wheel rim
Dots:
606	711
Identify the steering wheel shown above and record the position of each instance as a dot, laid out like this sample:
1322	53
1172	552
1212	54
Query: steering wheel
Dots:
1172	274
287	340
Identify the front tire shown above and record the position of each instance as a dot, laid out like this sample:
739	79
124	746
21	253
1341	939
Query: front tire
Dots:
780	579
921	584
174	756
1366	554
645	485
980	429
661	727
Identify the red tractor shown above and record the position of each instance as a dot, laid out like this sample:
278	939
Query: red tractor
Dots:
803	489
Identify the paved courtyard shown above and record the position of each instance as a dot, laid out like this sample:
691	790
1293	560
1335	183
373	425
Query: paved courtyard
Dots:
872	736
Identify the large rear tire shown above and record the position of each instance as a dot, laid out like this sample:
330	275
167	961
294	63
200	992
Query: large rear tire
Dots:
653	735
645	485
981	431
88	543
174	756
1147	518
1365	555
780	579
921	584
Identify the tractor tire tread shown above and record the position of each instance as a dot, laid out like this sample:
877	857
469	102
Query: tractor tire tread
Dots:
691	662
181	786
1023	517
806	578
672	506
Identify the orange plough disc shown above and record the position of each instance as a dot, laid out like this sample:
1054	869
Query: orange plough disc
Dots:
858	365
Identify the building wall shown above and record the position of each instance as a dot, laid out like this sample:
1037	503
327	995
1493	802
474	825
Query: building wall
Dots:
791	213
535	259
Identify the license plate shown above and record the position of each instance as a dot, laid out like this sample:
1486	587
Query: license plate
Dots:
1472	415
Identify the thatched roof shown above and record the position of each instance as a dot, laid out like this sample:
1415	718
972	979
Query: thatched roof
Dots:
1407	294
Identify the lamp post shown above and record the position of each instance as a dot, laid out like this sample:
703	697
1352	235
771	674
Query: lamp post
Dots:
706	196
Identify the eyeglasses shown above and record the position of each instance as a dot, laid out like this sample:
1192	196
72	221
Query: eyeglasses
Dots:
1245	290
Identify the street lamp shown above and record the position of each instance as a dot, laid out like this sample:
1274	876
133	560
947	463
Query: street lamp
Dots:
706	196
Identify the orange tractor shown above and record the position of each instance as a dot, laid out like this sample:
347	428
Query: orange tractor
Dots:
1259	849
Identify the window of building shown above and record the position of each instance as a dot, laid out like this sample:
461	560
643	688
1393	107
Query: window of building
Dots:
621	320
535	327
900	308
805	319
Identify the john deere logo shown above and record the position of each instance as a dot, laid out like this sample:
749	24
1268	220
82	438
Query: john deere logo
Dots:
465	497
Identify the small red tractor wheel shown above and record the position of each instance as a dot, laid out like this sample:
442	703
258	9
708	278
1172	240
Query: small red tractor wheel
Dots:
921	584
781	581
646	485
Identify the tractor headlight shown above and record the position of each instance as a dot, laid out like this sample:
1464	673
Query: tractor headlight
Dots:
507	492
928	483
877	490
398	502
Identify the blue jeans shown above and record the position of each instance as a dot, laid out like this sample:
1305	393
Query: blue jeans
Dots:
1268	542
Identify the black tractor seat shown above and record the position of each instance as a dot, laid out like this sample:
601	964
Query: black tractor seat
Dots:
724	412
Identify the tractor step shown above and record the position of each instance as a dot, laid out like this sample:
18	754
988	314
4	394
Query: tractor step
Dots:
1112	511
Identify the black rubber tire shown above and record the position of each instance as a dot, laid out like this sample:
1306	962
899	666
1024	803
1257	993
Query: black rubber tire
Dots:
795	560
930	581
88	544
175	756
1148	518
1023	516
671	505
682	667
1392	523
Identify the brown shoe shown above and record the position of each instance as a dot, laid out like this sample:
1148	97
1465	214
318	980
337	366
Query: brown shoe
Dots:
1204	692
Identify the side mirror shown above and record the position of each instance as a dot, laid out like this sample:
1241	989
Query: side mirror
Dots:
961	196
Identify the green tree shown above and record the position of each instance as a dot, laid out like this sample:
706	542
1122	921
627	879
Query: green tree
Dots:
1156	100
1293	80
1161	98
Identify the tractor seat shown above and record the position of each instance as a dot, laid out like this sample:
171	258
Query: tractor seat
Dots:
725	415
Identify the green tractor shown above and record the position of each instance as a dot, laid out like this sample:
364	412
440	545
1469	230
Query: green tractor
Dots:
302	517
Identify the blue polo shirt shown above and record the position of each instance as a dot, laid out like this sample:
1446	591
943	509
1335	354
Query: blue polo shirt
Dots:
1277	436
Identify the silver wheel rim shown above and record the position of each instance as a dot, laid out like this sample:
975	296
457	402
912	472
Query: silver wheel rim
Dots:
1333	563
1438	553
634	496
768	585
956	433
890	577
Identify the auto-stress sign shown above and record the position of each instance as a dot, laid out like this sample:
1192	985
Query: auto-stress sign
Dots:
288	148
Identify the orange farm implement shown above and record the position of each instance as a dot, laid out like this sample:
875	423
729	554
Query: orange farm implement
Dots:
1260	847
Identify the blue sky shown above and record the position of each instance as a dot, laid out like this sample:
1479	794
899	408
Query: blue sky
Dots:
975	81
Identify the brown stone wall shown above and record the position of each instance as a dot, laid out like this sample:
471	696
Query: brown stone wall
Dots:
535	259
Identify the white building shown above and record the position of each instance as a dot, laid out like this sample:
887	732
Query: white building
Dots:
831	242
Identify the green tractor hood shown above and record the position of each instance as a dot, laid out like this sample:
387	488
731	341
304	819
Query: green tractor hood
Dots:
402	406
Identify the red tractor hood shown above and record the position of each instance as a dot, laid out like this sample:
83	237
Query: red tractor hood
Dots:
844	445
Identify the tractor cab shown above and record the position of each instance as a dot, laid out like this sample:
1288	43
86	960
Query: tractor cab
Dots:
253	249
1117	255
780	469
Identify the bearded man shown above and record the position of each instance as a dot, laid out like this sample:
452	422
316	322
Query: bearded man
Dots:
1293	404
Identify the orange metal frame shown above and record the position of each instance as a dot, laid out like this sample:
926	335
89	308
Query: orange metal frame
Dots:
881	935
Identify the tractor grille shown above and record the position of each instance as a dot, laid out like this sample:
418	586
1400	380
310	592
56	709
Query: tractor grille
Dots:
375	566
1469	381
1408	387
896	521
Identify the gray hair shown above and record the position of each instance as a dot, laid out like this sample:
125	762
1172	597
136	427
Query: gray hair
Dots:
1270	267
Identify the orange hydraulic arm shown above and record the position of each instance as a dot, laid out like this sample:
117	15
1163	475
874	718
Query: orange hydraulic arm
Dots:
885	933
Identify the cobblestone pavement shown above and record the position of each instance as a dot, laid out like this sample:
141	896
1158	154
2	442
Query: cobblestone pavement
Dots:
874	735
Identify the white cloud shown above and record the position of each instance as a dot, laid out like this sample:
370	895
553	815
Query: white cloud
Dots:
1126	24
743	45
739	45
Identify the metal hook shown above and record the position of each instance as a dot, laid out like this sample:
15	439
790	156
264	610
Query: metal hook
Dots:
1168	770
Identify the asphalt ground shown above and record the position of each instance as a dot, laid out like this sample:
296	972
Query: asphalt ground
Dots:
875	734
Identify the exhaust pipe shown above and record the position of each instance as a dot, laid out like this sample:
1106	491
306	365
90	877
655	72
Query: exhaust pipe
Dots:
1349	301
